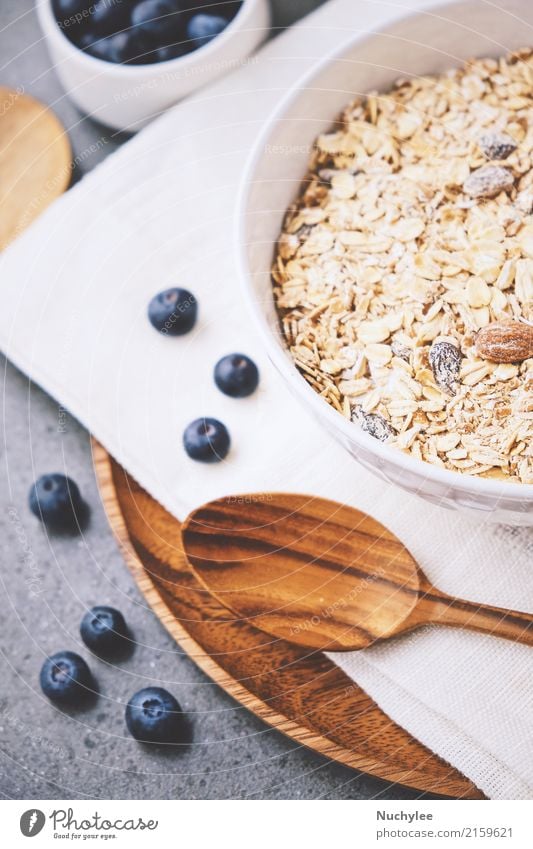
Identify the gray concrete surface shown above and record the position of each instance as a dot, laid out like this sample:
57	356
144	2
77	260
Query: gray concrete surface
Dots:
48	582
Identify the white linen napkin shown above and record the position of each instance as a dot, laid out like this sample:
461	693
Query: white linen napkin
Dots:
73	302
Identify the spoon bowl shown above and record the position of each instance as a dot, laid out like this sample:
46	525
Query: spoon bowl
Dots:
323	575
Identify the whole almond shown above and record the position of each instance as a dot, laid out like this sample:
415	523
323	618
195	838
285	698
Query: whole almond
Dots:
488	181
497	145
505	342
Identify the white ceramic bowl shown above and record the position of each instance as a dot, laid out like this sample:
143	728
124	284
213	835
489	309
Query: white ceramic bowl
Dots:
126	97
420	44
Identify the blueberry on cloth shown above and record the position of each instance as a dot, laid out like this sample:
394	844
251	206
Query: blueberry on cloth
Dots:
206	440
236	375
173	311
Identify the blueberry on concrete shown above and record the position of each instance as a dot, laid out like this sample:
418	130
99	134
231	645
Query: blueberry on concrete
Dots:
56	500
153	715
66	678
104	631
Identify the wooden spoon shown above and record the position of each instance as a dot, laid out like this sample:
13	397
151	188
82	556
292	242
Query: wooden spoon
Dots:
35	161
322	575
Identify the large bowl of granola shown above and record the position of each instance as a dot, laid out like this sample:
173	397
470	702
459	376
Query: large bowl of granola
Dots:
387	249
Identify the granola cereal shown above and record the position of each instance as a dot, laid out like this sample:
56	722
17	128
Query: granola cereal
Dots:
413	233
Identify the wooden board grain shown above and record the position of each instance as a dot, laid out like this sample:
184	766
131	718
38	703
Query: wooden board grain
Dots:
301	694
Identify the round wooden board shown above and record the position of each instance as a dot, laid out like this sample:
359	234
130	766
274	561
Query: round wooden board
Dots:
35	161
304	696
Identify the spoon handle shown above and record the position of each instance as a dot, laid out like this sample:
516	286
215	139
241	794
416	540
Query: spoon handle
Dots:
446	610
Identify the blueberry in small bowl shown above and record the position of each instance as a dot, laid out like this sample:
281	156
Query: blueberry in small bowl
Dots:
206	440
127	81
167	53
146	30
104	631
121	47
56	500
236	375
202	28
173	312
72	15
153	715
68	11
108	17
66	678
158	21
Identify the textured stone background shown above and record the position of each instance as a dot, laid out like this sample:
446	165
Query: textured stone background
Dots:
48	582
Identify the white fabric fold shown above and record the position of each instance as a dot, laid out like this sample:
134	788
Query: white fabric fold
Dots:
73	316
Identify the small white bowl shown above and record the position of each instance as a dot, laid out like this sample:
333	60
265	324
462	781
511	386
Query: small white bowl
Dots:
418	45
126	97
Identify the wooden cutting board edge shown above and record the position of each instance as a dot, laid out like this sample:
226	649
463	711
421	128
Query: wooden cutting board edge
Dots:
454	785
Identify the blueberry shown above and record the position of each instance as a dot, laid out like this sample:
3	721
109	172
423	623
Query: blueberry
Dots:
230	8
157	21
236	375
171	51
73	17
86	41
56	500
154	716
173	311
65	677
206	440
108	16
122	48
104	630
203	28
65	9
